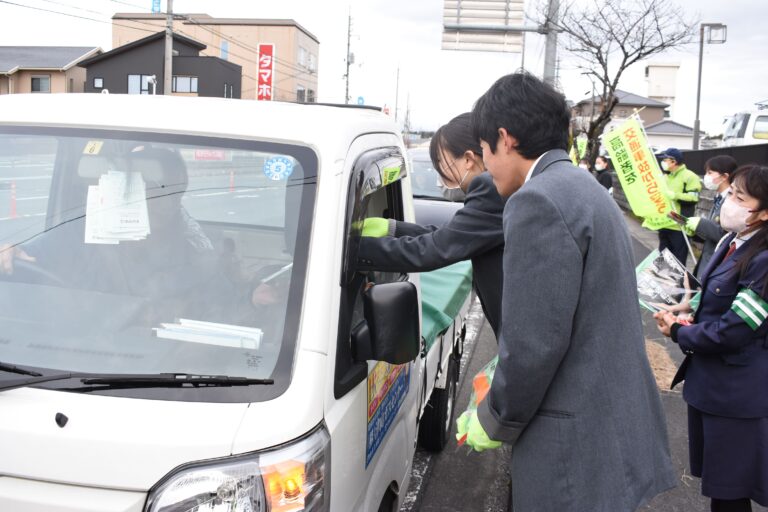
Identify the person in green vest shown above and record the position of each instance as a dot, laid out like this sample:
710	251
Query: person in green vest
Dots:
683	187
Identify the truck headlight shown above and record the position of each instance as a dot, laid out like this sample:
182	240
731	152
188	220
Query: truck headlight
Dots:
289	478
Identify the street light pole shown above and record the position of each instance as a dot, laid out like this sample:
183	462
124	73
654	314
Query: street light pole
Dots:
168	72
711	40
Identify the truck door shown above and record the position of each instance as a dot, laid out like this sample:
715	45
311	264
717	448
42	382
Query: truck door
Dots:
380	400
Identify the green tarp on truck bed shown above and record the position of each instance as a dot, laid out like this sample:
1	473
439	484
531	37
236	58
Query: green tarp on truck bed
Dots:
443	292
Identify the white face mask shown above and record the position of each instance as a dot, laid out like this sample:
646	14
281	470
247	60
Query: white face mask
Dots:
664	165
599	167
584	166
733	217
709	182
453	194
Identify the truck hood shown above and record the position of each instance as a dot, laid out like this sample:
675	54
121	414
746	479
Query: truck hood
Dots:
129	444
118	443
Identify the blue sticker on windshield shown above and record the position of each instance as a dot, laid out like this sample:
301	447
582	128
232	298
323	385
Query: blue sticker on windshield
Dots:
278	168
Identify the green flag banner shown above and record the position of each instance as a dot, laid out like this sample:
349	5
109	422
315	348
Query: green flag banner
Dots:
639	174
581	143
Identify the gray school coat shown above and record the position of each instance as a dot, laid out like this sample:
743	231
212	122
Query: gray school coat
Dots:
573	391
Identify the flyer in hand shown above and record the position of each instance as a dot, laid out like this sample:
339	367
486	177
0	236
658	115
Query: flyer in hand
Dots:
663	283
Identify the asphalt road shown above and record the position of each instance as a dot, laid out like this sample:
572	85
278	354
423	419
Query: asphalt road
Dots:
460	481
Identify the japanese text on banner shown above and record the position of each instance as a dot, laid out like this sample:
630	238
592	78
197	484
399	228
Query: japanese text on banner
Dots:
639	174
266	72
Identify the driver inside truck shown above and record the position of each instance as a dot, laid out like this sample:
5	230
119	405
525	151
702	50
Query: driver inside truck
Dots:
172	259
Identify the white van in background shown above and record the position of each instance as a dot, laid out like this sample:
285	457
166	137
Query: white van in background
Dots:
747	128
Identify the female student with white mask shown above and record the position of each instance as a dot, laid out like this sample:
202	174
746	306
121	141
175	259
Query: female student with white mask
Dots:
474	233
708	229
726	347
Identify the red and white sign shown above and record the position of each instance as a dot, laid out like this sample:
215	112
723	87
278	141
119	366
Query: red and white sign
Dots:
266	71
212	155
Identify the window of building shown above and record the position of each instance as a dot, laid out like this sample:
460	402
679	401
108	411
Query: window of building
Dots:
310	96
184	84
229	90
225	49
41	83
98	83
138	84
312	62
302	56
71	85
301	94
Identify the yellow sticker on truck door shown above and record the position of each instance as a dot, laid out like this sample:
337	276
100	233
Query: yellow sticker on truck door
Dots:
387	388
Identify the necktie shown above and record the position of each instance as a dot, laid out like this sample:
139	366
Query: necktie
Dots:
731	249
715	206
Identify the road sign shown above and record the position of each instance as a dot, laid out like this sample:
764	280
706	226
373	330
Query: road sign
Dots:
155	5
360	100
483	25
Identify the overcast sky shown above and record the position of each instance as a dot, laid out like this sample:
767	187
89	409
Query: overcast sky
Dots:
436	84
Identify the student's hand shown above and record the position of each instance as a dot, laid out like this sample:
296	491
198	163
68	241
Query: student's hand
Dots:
664	321
468	424
375	227
10	252
691	225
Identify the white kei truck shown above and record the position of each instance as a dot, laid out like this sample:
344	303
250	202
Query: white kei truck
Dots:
182	324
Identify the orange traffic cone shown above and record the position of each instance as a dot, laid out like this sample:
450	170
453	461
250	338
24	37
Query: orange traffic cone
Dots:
13	200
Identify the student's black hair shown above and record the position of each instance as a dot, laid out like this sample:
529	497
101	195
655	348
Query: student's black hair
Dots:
724	164
753	179
531	111
456	138
604	159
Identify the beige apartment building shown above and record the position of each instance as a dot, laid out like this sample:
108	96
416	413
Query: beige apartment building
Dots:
236	40
43	69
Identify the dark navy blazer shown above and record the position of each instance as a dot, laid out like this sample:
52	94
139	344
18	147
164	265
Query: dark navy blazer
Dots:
475	232
726	370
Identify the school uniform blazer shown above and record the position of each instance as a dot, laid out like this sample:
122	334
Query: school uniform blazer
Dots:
710	232
474	232
726	370
573	391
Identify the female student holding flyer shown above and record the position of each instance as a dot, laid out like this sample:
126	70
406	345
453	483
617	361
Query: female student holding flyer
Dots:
726	367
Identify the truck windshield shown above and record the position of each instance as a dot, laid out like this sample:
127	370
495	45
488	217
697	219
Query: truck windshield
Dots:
152	253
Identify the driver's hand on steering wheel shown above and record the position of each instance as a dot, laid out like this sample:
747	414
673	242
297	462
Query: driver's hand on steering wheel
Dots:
10	252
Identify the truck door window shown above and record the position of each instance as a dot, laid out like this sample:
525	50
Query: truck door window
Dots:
374	191
761	128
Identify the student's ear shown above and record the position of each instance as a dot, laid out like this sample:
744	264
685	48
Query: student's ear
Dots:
469	159
506	141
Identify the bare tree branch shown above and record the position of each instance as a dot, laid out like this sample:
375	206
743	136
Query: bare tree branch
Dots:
608	36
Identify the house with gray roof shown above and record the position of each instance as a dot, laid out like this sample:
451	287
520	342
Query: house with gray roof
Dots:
43	69
670	134
651	111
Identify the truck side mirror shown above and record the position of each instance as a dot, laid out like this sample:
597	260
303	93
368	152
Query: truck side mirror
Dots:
390	332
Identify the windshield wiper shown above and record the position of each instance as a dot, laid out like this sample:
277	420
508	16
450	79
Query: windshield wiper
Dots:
156	380
15	369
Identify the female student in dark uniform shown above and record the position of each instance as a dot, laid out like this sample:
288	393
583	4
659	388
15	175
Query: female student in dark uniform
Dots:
726	367
475	231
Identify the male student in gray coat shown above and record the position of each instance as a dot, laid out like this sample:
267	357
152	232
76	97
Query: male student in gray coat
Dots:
573	392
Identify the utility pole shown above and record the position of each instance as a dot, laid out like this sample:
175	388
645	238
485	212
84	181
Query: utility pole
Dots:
397	91
349	55
168	75
550	53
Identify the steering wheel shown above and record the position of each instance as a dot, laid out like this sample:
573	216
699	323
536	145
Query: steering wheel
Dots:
31	272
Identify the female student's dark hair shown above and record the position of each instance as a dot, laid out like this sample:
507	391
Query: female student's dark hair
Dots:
605	161
531	111
753	179
724	164
456	138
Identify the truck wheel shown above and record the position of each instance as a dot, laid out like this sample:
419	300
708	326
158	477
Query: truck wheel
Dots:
435	426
